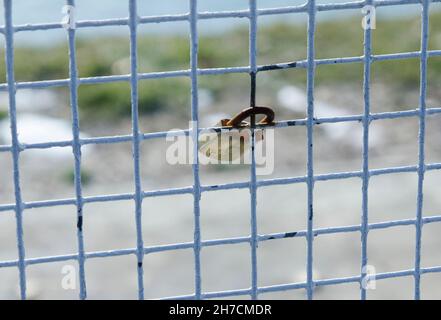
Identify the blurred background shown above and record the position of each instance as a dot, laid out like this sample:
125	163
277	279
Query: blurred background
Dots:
44	115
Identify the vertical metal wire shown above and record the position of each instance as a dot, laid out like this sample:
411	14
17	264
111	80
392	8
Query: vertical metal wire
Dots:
76	149
365	162
421	142
9	56
253	178
195	137
133	24
310	136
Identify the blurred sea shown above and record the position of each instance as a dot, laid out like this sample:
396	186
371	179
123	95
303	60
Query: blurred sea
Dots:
44	11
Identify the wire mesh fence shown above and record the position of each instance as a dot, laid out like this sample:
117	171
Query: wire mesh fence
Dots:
311	9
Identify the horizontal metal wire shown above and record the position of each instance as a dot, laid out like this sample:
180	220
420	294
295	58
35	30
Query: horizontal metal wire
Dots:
175	133
220	242
217	187
301	64
303	285
213	15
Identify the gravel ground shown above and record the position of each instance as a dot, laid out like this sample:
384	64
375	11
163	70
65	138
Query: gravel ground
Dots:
169	219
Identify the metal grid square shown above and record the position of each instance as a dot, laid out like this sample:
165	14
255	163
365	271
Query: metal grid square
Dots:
310	8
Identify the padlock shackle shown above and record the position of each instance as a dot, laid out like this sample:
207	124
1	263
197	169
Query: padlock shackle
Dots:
237	119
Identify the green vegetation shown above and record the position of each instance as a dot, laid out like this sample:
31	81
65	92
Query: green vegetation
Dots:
280	42
69	177
113	99
3	114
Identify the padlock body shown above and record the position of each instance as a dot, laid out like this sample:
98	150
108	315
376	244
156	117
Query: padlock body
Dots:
227	146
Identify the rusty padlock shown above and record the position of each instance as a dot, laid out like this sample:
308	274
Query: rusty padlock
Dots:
228	146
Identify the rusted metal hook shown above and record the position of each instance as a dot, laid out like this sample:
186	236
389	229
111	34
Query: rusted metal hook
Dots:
238	120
